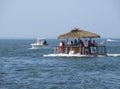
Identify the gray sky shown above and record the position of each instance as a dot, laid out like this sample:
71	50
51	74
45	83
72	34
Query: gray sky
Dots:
49	18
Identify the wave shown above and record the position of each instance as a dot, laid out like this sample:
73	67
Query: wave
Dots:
113	55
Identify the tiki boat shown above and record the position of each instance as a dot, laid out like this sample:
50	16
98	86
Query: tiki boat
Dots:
76	44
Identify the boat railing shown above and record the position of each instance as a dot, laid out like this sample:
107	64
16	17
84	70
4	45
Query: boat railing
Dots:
97	50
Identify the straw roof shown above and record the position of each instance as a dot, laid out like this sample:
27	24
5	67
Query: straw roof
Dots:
77	33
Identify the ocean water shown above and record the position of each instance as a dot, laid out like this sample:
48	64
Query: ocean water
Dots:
24	68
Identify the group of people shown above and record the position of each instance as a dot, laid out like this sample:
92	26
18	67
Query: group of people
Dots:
90	47
87	44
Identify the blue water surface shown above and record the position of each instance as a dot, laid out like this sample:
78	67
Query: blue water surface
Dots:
24	68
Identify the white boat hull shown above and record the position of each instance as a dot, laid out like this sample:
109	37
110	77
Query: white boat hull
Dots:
35	46
79	55
67	55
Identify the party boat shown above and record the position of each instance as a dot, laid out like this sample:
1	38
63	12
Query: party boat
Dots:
69	48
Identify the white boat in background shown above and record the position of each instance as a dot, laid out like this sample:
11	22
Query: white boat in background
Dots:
40	43
110	40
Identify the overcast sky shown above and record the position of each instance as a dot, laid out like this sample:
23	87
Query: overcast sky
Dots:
49	18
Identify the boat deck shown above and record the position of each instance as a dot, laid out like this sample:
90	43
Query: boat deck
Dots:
98	50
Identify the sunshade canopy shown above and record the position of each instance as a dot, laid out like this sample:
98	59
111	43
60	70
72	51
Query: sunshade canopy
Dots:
77	33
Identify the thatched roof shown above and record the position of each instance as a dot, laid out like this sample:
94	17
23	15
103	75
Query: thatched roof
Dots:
77	33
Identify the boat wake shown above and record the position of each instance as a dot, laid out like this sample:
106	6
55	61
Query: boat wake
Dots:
113	55
39	48
32	48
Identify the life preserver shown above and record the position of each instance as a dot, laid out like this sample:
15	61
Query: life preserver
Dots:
93	49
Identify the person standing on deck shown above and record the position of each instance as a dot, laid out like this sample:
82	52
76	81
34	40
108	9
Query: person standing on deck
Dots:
89	46
94	43
86	47
75	42
81	44
61	47
94	48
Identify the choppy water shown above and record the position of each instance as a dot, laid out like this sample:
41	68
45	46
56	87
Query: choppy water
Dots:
22	68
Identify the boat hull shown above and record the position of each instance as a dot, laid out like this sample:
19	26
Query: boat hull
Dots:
71	55
35	46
